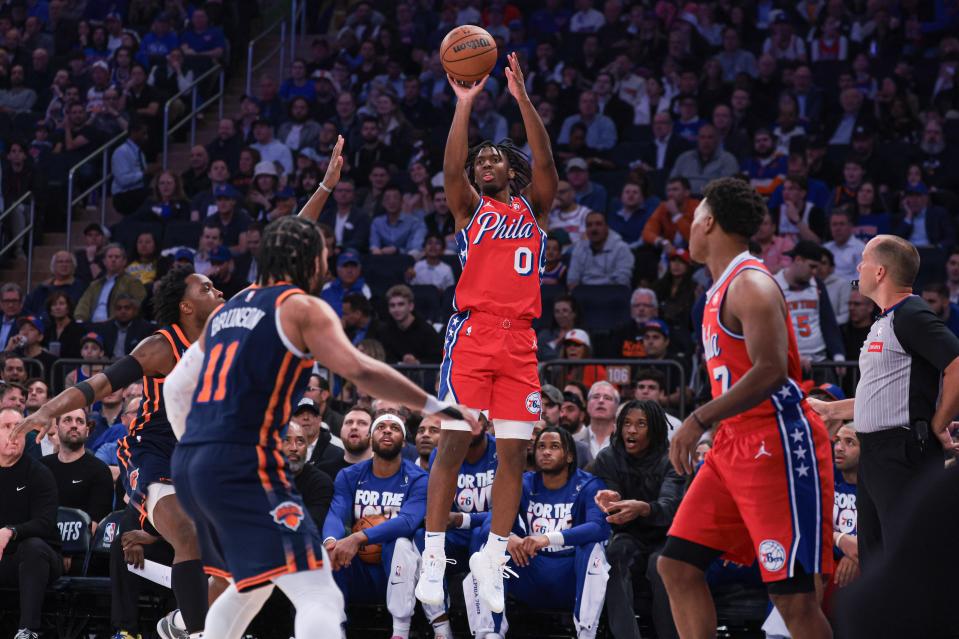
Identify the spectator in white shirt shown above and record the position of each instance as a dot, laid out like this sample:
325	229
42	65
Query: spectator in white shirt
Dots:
845	247
567	214
271	150
586	19
431	270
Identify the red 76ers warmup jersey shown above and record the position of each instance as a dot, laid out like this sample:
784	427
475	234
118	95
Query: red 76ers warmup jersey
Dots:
503	253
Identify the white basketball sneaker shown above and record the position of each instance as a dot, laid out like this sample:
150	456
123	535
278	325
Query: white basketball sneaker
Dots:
429	587
489	573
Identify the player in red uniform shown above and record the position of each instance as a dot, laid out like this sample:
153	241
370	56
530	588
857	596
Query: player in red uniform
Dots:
489	361
766	488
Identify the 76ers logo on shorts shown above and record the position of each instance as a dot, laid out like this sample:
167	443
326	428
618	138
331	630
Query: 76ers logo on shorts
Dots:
289	513
772	555
533	404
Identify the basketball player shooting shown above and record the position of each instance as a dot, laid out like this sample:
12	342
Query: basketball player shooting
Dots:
766	488
500	204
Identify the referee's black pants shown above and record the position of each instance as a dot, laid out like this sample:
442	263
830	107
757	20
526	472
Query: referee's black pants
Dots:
889	463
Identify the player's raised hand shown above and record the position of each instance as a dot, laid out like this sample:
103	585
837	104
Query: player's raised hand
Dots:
466	93
38	421
336	164
514	78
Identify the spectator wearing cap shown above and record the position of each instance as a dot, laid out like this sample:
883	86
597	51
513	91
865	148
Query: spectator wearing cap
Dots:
284	203
767	167
656	341
783	44
578	345
100	76
349	279
572	417
262	191
194	178
407	338
125	329
91	349
307	415
29	542
552	399
159	42
600	130
300	131
649	383
202	41
211	238
232	221
589	194
936	295
817	334
270	149
600	258
705	163
845	247
96	302
351	227
223	273
27	342
923	225
129	166
393	231
203	203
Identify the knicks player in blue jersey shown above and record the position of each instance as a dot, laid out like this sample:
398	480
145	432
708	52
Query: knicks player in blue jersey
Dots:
557	543
394	488
255	354
182	303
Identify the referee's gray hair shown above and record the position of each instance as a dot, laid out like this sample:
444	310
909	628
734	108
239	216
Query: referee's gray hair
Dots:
645	291
899	257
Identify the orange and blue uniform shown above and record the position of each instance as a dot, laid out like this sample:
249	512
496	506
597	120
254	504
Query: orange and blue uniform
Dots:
489	358
230	472
145	452
766	488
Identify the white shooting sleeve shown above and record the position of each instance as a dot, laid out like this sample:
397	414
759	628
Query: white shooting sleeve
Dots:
178	388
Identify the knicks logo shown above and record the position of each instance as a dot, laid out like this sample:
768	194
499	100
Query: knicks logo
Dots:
289	514
533	403
134	478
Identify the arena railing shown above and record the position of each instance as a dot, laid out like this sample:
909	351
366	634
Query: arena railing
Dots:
844	374
297	19
60	368
195	108
106	174
619	372
265	57
29	201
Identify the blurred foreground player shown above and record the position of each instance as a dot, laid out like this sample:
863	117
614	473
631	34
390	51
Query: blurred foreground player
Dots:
255	354
766	488
183	302
489	358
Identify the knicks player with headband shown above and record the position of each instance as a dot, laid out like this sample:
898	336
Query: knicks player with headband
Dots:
498	202
766	489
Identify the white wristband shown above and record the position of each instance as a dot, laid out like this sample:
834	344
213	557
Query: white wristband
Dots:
465	524
325	187
555	538
434	405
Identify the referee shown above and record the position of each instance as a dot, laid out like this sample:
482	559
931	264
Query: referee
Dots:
901	430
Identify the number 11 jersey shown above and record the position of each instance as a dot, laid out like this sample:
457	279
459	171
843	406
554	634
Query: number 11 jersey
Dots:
502	252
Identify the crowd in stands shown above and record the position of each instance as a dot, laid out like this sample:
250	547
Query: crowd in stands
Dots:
843	115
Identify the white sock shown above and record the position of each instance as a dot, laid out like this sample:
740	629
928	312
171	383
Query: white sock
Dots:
495	545
401	628
233	611
443	629
435	541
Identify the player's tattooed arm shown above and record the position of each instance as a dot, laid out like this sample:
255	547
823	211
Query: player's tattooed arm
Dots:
314	206
153	357
460	194
542	188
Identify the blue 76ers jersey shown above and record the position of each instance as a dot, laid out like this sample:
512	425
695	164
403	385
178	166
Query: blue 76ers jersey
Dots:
571	507
250	373
474	483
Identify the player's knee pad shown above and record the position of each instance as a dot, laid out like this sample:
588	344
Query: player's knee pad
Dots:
512	429
401	581
233	611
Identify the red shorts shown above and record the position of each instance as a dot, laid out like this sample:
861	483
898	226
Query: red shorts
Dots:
765	491
489	363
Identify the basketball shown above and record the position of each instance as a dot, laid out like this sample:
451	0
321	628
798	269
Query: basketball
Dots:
468	53
370	553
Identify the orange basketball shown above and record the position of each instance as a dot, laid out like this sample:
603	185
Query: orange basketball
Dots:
468	53
370	553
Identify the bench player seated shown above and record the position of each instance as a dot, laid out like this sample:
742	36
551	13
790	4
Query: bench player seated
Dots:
389	490
557	545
